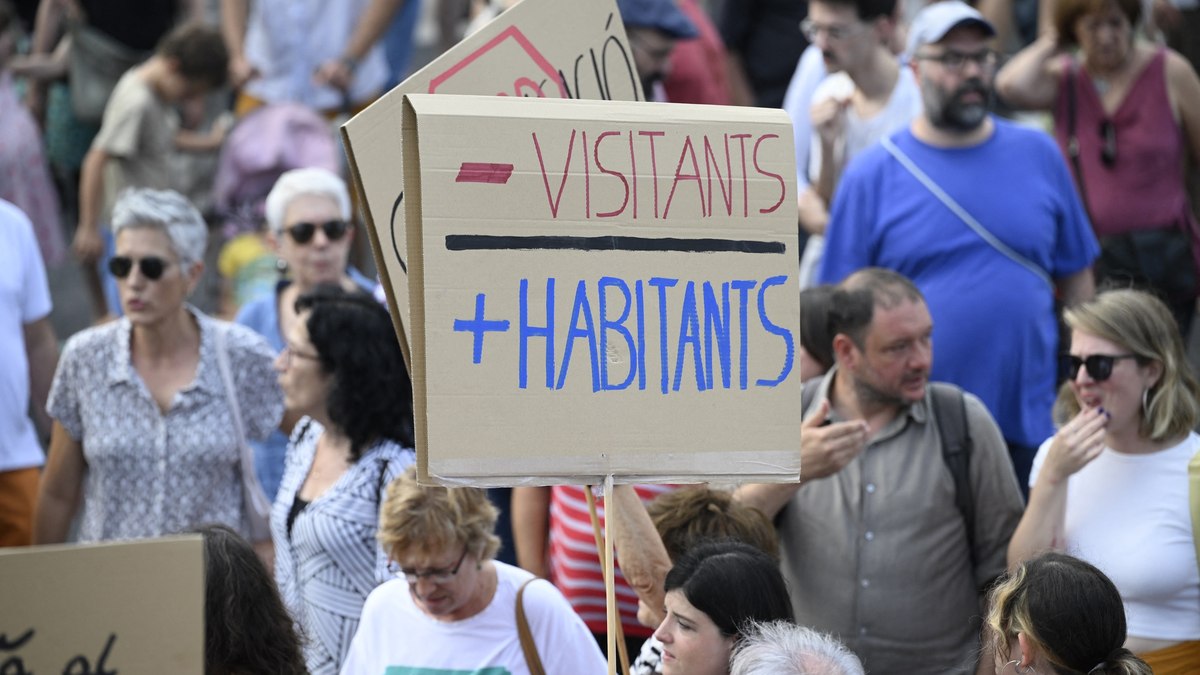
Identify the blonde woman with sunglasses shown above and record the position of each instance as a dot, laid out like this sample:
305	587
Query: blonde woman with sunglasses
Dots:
308	218
144	441
1111	487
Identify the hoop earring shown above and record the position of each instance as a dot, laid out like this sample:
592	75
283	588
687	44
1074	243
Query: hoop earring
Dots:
1028	670
281	266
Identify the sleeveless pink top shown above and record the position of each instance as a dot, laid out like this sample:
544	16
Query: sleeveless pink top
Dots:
1143	187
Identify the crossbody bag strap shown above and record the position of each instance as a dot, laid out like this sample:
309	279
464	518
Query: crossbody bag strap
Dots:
251	488
532	660
962	214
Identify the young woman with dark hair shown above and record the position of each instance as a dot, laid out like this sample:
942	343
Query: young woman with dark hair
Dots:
713	592
341	369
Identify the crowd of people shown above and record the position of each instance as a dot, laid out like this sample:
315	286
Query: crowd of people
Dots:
1024	503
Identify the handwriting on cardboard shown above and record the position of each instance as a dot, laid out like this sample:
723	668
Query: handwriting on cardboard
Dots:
578	263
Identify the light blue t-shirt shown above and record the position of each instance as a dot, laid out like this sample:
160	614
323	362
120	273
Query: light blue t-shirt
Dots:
995	331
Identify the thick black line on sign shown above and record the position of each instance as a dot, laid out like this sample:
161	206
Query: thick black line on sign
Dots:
486	242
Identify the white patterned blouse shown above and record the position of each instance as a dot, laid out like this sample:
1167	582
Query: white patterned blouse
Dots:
326	558
151	473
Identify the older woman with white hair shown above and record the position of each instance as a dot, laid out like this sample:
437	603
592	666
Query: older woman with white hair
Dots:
146	407
308	215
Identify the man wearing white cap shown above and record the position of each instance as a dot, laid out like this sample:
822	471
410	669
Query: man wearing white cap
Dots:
982	215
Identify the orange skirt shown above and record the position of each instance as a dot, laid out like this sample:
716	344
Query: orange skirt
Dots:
1180	659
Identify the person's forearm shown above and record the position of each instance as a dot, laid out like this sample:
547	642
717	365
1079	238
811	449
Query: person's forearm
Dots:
831	168
371	26
1077	288
91	189
639	548
41	347
740	91
770	498
233	25
814	213
1041	527
1000	14
1024	81
531	526
58	493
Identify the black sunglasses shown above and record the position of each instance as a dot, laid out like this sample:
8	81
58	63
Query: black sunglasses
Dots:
1099	366
302	233
152	266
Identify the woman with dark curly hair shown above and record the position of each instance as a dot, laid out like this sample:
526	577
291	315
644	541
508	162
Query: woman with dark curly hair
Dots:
341	369
247	630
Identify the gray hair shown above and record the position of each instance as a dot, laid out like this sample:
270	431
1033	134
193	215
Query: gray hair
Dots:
167	211
783	648
309	181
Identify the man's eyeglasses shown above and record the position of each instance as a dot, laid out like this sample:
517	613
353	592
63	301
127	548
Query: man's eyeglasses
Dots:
954	60
1099	366
302	233
289	352
437	576
812	29
152	266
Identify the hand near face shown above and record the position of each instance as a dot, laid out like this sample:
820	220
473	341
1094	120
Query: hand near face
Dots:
88	245
829	118
1075	445
826	448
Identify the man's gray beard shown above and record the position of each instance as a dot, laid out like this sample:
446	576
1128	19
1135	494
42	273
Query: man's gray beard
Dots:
955	117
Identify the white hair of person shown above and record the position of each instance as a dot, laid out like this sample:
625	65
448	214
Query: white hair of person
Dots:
167	211
783	648
309	181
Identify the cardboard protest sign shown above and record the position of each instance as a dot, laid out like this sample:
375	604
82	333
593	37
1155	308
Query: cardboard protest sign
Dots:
601	288
133	608
539	48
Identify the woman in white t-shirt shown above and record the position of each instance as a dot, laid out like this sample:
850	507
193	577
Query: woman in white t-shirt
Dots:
1111	487
454	608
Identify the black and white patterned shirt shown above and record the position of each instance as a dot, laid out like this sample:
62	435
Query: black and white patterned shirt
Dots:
329	561
151	473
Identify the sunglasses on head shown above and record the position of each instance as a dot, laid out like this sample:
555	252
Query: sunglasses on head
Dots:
1099	366
152	266
302	233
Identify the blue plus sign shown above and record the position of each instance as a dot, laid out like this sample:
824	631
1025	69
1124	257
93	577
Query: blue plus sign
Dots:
479	326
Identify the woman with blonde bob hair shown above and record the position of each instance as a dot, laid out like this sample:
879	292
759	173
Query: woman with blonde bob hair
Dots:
454	608
1111	487
1058	614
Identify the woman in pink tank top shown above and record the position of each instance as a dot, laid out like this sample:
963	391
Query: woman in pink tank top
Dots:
1126	116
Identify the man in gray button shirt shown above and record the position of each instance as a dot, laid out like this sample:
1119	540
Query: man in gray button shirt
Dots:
876	550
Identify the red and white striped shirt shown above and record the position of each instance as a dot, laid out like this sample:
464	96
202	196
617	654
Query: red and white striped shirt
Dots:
575	561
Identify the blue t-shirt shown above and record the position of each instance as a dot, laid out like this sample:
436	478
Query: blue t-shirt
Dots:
995	331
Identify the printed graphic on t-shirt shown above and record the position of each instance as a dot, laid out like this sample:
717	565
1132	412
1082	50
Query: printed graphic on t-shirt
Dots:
412	670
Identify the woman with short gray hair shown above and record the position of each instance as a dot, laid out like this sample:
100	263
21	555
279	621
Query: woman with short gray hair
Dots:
151	410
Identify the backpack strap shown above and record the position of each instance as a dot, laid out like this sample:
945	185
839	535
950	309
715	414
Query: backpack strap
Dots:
949	408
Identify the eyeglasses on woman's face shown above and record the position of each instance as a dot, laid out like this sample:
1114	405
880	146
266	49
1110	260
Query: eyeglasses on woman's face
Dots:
302	233
436	575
